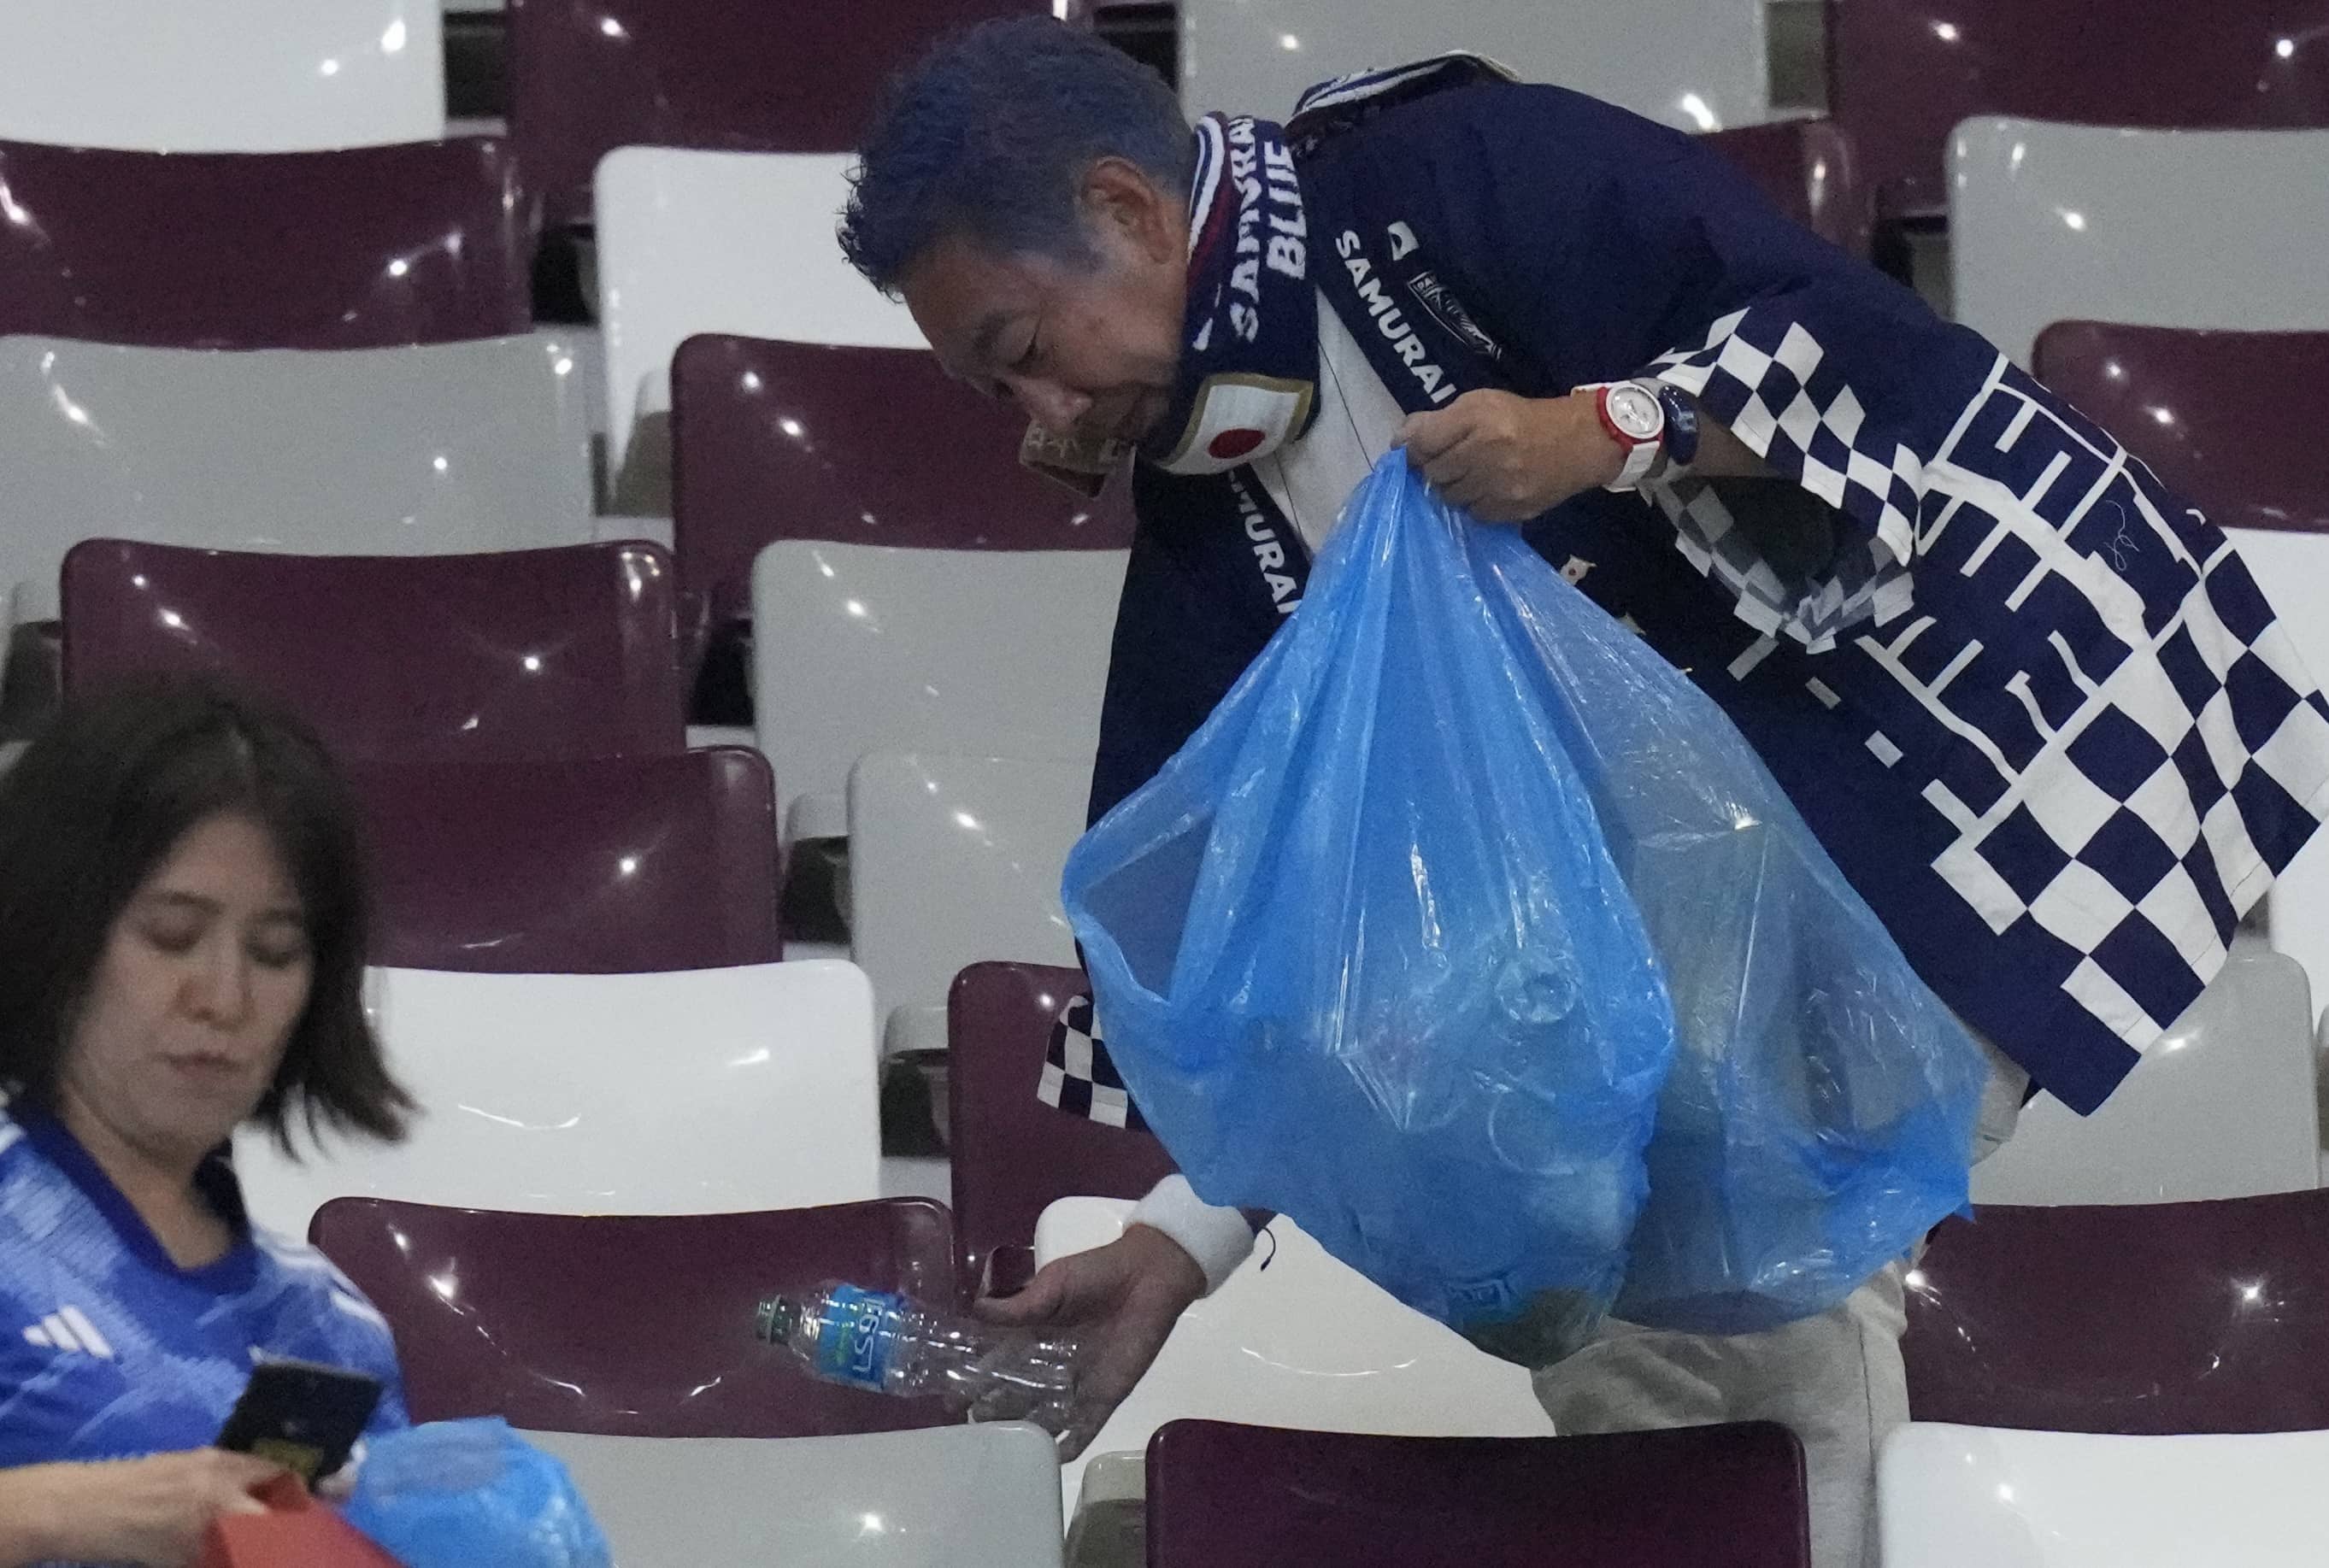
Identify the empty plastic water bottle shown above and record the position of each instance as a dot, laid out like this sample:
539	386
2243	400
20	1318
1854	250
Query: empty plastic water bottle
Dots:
887	1342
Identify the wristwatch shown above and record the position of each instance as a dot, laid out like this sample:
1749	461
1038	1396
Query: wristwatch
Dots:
1635	419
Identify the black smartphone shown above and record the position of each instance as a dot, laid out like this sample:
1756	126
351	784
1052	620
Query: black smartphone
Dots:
303	1416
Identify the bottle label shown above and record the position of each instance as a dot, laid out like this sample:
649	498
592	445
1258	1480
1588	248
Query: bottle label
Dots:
859	1336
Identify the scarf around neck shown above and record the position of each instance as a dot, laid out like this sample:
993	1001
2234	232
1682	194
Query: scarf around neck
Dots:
1247	381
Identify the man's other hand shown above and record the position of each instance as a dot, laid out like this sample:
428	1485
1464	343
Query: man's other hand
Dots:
1504	458
1122	1301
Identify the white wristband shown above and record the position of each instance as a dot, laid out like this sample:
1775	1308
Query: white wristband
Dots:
1218	1238
1639	461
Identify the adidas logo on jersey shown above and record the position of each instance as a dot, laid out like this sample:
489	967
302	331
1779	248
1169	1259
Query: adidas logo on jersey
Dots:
69	1330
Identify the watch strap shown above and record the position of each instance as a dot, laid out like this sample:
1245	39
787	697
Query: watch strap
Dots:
1680	437
1640	459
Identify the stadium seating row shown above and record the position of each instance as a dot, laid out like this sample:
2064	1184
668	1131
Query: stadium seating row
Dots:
485	1307
589	76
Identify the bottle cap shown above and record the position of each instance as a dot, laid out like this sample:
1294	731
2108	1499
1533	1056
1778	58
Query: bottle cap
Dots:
779	1318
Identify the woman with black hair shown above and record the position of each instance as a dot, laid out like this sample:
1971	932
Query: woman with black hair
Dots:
182	947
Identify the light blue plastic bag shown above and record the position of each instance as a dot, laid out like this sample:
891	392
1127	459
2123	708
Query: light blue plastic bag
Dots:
1363	959
1459	895
456	1494
1819	1116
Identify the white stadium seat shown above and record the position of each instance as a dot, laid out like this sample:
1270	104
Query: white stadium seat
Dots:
700	1090
1303	1341
961	1496
2222	1106
221	76
1697	65
441	448
722	242
2193	229
2292	569
1955	1497
952	861
862	648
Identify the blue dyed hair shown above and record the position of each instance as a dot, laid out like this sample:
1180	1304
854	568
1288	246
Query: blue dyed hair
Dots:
990	135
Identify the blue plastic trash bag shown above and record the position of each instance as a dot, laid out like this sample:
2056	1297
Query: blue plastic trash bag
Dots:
1362	957
1819	1117
455	1494
1472	936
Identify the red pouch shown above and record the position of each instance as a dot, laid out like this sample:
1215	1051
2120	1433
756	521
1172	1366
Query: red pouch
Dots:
296	1532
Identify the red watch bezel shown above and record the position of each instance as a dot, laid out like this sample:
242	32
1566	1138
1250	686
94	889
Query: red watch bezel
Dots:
1630	442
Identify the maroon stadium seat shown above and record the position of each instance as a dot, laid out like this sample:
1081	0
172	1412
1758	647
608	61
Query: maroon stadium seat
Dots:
571	651
589	76
620	865
2144	1319
2242	412
865	445
1013	1154
625	1325
1221	1495
360	248
1808	169
1903	72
